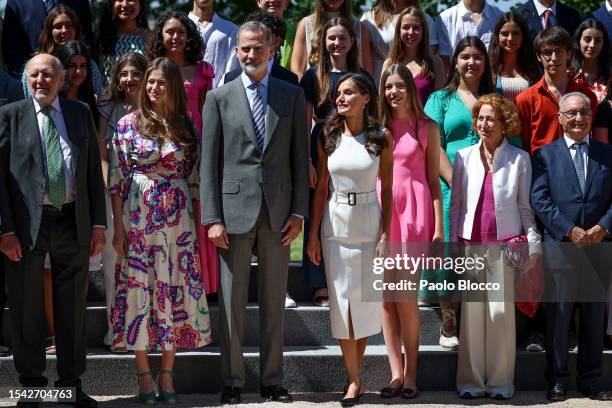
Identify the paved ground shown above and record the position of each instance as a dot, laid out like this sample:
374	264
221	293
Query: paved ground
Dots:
431	399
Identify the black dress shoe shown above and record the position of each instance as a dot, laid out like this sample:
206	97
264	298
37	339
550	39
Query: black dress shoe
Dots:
82	400
558	392
5	351
275	393
351	402
231	395
596	394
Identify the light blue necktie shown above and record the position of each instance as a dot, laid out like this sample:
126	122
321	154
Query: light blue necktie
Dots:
258	114
579	164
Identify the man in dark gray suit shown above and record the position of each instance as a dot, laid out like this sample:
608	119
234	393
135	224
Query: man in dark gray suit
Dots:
51	201
254	191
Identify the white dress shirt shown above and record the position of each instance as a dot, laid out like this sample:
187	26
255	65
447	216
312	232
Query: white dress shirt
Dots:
609	6
456	23
573	152
540	8
58	118
219	36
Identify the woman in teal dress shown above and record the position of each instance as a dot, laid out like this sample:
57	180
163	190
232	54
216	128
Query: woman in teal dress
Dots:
451	108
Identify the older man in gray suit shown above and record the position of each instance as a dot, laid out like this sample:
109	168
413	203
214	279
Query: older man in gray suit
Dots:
254	191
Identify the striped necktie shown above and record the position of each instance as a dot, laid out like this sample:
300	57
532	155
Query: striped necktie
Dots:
258	115
56	183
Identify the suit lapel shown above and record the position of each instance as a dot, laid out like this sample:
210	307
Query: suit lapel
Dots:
31	132
568	163
243	111
272	109
73	131
592	165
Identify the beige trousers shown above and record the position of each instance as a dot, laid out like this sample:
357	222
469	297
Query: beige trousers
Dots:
487	343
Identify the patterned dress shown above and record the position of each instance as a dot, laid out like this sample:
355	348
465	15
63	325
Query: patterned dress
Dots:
159	296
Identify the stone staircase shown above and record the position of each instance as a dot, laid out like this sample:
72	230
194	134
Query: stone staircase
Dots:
312	358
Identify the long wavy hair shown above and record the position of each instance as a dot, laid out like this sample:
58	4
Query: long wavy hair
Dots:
603	60
324	67
397	52
320	18
65	53
375	140
413	103
486	81
45	40
194	48
113	93
173	123
527	63
108	29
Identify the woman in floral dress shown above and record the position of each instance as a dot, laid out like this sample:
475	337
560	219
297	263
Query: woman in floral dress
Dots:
159	296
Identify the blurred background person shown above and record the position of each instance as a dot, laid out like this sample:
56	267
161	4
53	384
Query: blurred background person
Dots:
284	50
450	108
121	98
411	48
542	14
218	36
381	22
123	28
513	60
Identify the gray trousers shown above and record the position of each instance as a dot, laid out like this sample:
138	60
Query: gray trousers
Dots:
235	266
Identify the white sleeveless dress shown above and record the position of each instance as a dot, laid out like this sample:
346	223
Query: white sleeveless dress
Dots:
349	236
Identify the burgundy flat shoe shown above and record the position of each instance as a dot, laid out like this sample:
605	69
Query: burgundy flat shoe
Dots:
390	392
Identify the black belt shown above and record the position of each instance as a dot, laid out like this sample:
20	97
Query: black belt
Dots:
65	209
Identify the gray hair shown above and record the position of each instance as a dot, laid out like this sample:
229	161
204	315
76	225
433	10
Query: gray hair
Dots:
585	98
258	27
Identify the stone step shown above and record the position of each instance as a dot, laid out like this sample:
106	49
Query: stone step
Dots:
306	369
305	325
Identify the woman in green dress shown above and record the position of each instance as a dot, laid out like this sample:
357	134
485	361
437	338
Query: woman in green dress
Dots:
451	108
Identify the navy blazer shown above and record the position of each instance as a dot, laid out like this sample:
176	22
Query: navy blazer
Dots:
556	197
11	89
567	17
277	72
602	15
23	21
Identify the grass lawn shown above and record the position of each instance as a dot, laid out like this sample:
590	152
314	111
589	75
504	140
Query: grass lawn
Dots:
296	247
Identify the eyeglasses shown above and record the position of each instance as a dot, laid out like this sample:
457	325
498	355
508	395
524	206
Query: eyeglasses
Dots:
547	53
572	114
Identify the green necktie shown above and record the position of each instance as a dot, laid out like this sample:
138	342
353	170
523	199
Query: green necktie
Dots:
56	184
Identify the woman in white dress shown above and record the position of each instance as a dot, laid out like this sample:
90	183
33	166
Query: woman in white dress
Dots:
352	151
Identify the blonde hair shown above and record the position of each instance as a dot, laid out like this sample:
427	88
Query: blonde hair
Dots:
506	111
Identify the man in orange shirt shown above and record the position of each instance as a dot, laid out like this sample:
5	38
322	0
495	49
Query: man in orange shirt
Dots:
538	105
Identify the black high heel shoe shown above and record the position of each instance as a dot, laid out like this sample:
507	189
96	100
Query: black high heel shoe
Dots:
351	402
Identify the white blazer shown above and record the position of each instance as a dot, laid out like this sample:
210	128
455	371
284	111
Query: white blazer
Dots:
511	192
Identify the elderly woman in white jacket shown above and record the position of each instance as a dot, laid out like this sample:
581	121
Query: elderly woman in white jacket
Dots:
490	205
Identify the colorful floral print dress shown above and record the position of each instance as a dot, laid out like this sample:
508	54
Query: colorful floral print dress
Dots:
159	295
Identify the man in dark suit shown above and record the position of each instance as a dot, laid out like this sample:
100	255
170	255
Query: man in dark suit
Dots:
541	14
10	91
23	21
254	191
572	196
274	23
51	201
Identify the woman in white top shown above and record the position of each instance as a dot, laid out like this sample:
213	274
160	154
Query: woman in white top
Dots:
353	151
489	206
304	53
381	21
512	57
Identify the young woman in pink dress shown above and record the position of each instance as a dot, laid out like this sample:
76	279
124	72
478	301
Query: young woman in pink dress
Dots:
416	216
176	37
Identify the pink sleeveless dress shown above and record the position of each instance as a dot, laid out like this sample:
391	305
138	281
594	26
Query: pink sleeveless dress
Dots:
209	267
412	219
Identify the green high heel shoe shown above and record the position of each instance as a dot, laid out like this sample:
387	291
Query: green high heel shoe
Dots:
166	396
146	397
